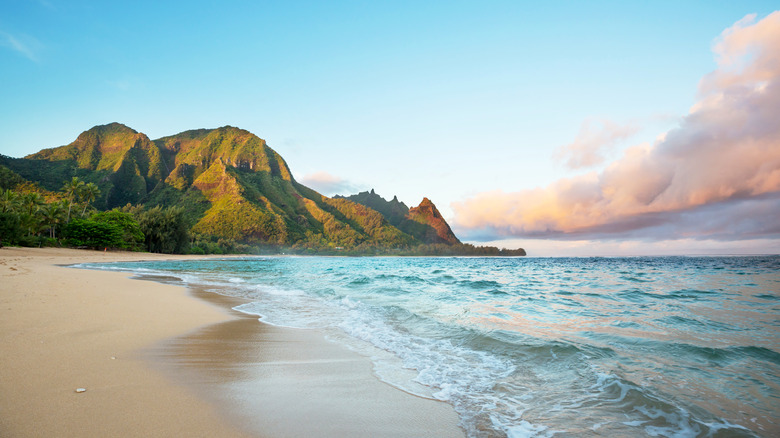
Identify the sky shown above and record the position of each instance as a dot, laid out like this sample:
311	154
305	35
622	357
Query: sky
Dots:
563	127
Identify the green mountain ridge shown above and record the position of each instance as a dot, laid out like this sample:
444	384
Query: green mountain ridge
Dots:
231	185
423	222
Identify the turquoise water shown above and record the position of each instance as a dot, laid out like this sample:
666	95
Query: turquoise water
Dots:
650	346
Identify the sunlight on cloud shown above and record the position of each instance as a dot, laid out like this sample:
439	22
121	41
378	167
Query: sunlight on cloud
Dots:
621	248
723	157
328	184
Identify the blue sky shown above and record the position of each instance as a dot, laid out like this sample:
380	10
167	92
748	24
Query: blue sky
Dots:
447	100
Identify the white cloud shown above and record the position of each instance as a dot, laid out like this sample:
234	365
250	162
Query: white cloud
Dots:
25	45
594	141
328	184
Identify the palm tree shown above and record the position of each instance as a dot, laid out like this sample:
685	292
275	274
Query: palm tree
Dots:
53	215
31	201
30	204
88	194
9	200
72	190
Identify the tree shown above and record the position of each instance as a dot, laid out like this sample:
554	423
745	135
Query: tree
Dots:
165	230
93	234
30	202
9	201
72	190
88	193
10	228
132	236
53	216
29	205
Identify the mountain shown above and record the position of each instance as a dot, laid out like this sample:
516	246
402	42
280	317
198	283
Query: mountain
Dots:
230	183
423	222
233	188
427	214
128	163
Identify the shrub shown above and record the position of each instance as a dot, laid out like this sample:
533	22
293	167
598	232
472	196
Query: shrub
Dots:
10	228
165	230
93	234
196	250
132	236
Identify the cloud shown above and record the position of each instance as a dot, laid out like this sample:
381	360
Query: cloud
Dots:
593	142
717	175
746	54
629	247
328	184
25	45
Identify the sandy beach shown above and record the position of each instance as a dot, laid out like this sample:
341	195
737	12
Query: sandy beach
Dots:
161	360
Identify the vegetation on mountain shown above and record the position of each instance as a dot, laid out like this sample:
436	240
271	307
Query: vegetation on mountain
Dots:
205	191
439	231
423	222
9	178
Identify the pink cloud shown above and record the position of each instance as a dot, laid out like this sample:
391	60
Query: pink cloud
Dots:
722	159
328	184
628	247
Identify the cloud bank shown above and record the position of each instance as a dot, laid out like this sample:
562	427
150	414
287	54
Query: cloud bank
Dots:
715	176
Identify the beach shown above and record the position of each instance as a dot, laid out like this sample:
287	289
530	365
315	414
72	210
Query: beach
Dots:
155	359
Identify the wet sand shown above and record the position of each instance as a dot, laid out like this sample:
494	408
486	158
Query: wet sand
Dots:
157	362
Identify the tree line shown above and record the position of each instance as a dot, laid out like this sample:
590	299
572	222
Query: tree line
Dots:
30	216
33	217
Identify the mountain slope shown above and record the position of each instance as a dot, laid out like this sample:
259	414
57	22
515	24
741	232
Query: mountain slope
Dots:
231	185
423	222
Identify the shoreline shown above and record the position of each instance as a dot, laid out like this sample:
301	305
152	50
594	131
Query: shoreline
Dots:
161	359
65	328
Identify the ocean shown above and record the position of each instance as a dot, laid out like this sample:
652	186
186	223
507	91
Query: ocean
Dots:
539	347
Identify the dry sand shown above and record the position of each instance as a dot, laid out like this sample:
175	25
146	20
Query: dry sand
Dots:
156	362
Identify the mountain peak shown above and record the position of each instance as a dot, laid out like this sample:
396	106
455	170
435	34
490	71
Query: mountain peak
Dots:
98	148
104	132
427	213
113	127
427	207
235	147
424	222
